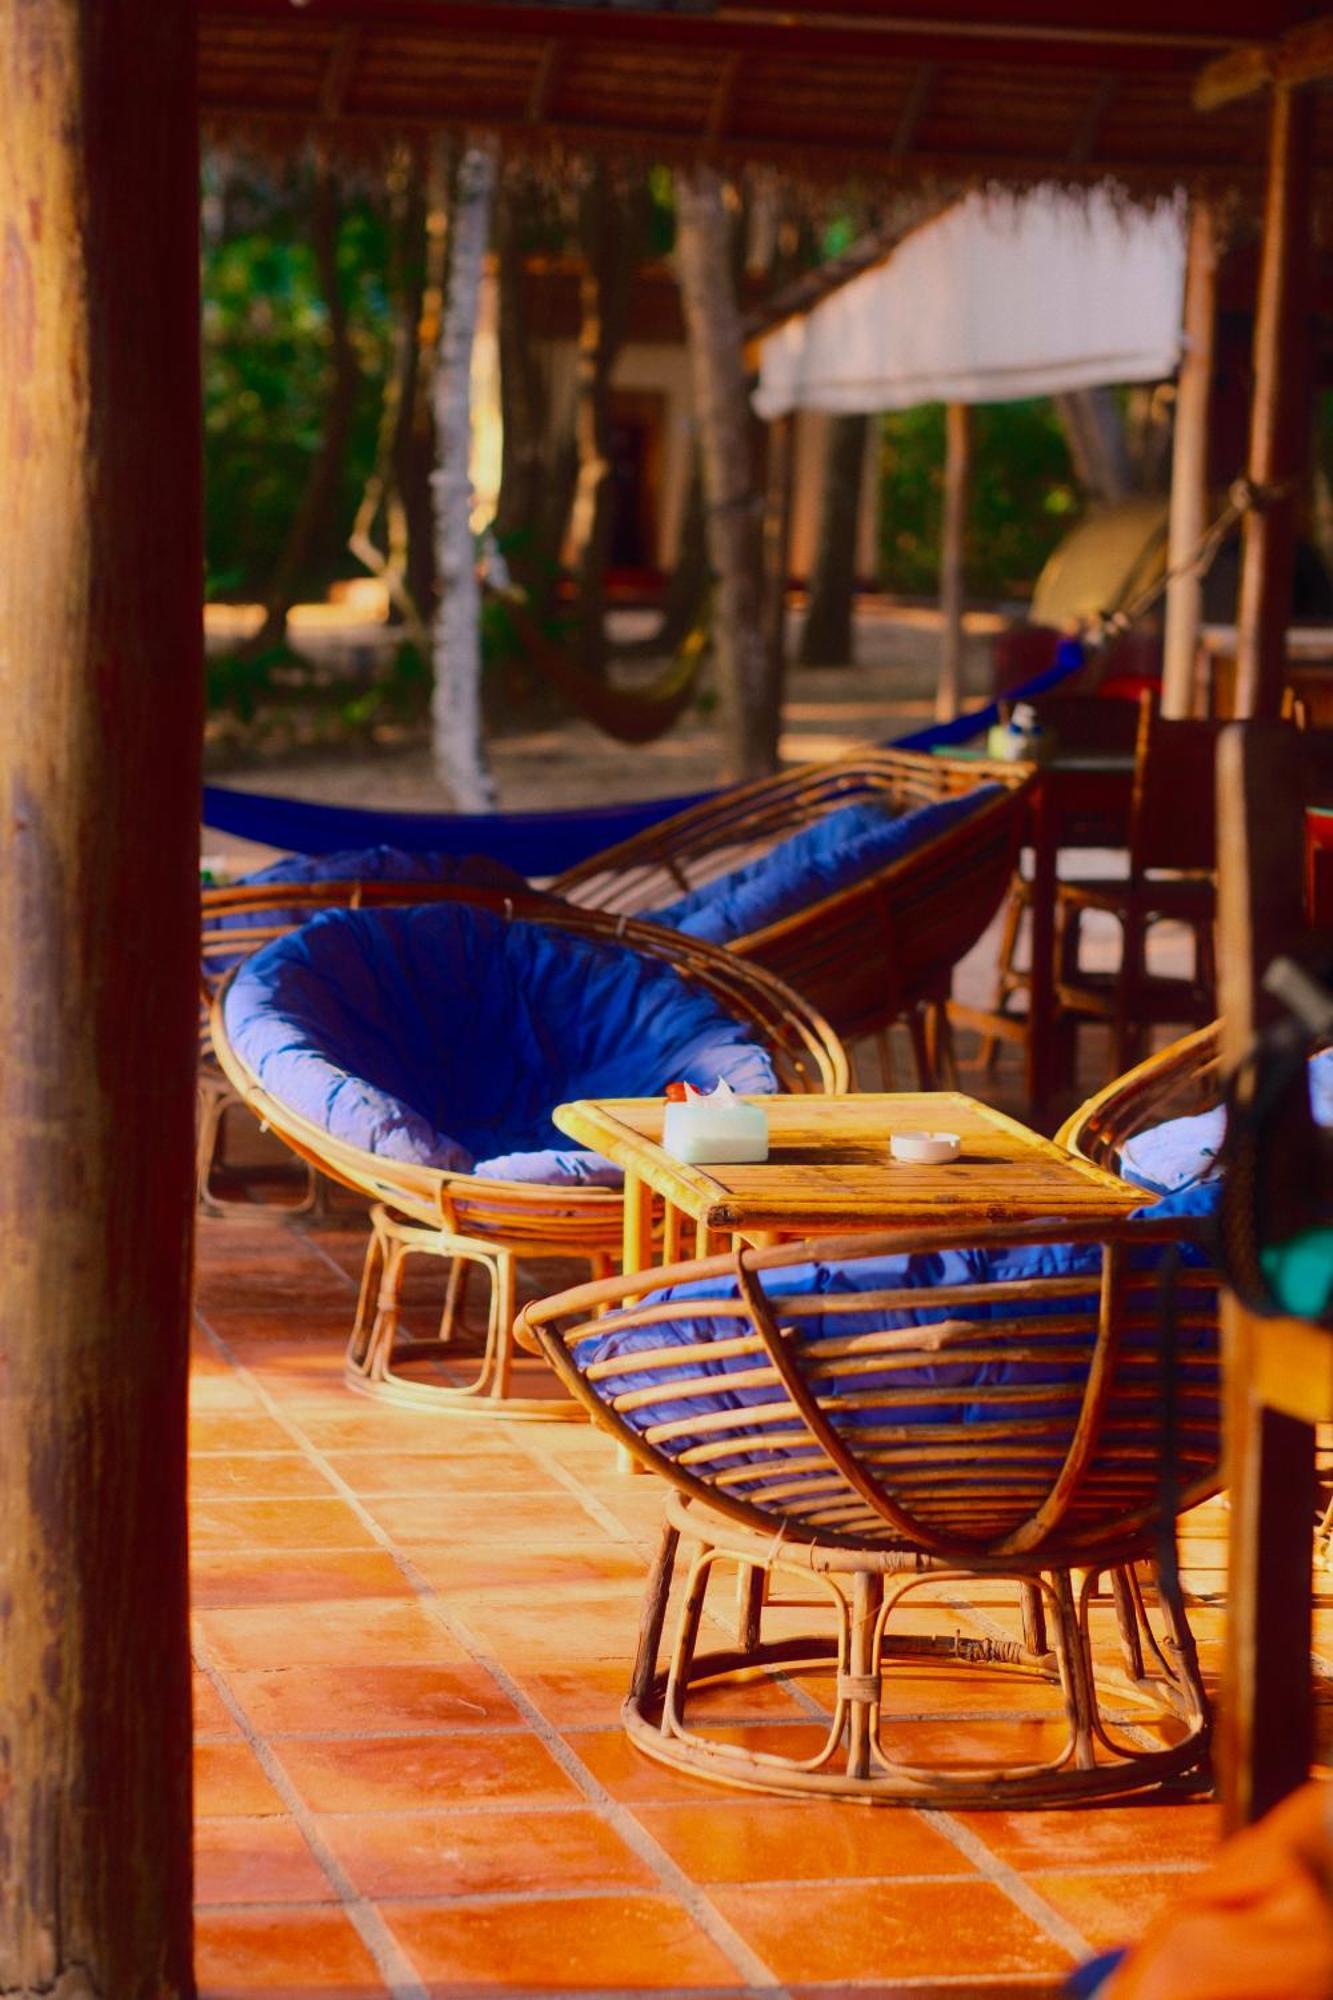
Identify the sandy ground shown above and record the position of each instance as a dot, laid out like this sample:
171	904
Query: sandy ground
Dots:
827	712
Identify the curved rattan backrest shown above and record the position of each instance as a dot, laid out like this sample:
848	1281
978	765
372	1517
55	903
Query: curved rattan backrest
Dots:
869	950
1174	1083
1026	1414
721	833
807	1055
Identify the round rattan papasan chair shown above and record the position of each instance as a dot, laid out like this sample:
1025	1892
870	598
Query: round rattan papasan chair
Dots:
415	1054
863	1424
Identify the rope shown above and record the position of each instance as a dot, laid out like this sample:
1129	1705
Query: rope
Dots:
1244	496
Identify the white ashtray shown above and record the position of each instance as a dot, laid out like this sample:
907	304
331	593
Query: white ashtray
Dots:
925	1149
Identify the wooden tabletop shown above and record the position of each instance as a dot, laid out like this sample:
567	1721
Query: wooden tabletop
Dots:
829	1167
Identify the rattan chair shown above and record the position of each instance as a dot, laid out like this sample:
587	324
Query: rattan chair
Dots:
1175	1082
235	920
879	950
1002	1430
475	1222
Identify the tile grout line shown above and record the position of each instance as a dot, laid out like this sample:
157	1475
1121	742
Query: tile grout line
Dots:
1007	1878
696	1904
392	1963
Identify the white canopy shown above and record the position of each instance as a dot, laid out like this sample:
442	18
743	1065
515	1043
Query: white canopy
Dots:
999	297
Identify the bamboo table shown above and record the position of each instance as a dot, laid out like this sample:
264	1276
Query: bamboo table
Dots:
829	1171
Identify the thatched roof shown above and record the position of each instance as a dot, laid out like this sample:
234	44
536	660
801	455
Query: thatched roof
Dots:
1016	90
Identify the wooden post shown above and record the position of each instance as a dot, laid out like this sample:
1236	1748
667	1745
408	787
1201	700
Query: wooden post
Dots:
953	554
101	689
1189	461
1266	1718
777	536
1279	420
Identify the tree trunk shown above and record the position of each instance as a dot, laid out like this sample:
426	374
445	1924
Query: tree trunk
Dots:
315	509
827	640
749	681
520	392
414	445
460	755
610	232
101	683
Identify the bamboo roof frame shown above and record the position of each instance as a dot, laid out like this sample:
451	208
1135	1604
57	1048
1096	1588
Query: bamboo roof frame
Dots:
1057	89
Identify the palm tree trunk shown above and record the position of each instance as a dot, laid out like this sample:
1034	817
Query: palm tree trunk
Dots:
460	755
749	678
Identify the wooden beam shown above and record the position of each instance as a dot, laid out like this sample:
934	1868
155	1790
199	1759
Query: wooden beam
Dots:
339	72
1266	1716
1134	37
1305	55
1280	410
915	105
1085	140
1189	461
101	685
545	82
718	122
953	557
780	486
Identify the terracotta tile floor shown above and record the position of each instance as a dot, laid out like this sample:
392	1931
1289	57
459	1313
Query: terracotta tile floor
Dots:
412	1635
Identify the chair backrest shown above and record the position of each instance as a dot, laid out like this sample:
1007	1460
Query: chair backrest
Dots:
1176	1082
966	1393
707	840
866	954
807	1054
1173	816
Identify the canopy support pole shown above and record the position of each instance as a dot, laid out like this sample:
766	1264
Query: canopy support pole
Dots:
953	552
777	536
1189	462
101	686
1279	422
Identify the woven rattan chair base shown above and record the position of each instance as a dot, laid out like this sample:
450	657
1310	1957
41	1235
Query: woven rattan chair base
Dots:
380	1348
302	1188
1103	1754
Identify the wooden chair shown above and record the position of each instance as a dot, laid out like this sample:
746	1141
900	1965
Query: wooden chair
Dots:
1014	1430
1072	725
1172	876
879	950
472	1221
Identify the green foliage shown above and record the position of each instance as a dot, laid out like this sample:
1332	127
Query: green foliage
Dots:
1024	497
267	370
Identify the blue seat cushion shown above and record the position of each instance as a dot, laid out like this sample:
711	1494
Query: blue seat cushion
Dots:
1175	1154
356	864
830	854
444	1034
921	1272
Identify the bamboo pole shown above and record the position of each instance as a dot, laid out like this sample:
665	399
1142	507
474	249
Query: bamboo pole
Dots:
953	553
1189	461
100	687
780	484
1279	423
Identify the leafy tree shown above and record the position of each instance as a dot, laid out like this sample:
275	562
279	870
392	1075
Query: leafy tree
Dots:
1024	497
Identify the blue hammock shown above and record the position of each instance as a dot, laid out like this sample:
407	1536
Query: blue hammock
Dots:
539	843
